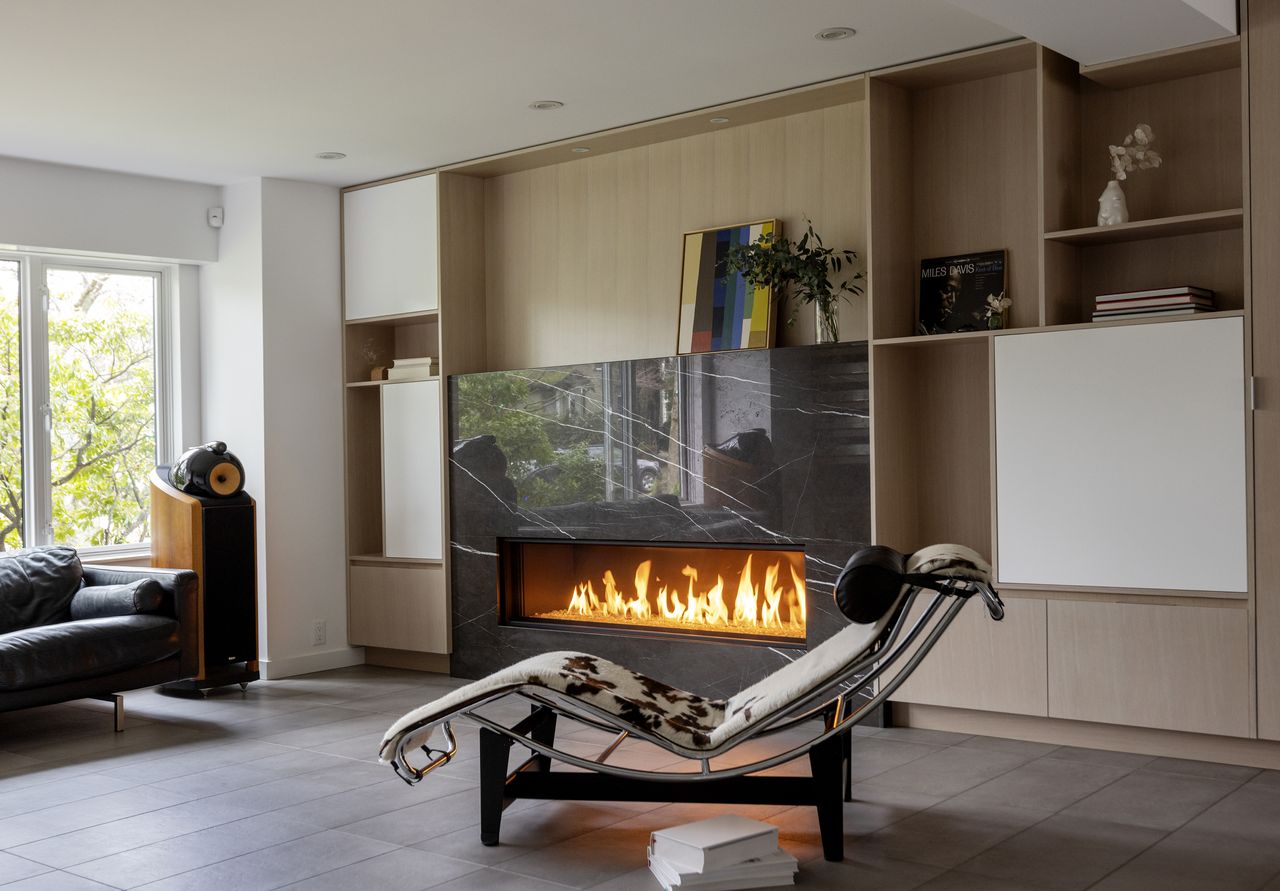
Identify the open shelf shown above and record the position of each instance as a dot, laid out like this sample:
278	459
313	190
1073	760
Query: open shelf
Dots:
434	377
932	481
404	318
1137	230
953	150
954	337
384	559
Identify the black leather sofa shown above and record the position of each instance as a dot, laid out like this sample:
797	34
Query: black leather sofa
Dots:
73	631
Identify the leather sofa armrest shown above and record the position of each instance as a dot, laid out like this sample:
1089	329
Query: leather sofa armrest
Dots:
182	593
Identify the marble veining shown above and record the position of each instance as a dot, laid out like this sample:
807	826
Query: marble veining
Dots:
760	446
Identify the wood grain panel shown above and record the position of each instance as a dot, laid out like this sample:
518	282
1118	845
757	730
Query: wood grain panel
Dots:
931	460
593	246
891	151
1264	208
399	608
1174	667
462	309
983	664
364	470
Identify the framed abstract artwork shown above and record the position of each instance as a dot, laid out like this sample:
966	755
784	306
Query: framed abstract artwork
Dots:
720	311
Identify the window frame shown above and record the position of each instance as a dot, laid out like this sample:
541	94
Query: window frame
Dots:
37	417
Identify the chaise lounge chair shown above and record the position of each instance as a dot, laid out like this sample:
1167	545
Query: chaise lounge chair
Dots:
875	591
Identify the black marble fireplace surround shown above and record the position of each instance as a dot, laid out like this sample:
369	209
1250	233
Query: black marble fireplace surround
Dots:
760	446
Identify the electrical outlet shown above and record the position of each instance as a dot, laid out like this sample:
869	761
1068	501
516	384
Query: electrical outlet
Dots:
319	633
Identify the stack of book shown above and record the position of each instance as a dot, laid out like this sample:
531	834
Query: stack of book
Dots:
1183	301
720	854
416	369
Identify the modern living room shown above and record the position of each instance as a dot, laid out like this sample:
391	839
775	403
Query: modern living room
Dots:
576	444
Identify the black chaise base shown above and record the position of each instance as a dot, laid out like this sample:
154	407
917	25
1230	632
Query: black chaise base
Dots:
827	788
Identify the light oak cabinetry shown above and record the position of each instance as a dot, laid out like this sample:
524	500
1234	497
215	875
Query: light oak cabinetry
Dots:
981	664
1172	667
548	257
1264	215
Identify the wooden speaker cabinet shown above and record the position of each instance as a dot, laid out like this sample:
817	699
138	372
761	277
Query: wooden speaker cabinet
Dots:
216	538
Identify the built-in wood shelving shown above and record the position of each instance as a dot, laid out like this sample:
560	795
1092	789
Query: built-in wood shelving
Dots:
1163	227
434	377
1203	58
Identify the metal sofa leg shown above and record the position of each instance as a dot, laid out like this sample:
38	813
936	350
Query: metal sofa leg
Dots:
117	700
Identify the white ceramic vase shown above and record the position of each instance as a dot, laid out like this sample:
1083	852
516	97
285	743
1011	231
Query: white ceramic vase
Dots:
1112	208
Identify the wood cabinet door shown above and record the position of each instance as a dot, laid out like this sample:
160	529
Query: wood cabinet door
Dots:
983	664
1120	457
1150	665
399	608
389	249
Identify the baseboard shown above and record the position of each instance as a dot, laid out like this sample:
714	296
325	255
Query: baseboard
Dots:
412	660
274	669
1113	737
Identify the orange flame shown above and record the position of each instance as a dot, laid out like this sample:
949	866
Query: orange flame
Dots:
766	605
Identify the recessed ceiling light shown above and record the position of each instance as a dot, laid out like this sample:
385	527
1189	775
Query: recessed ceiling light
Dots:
719	120
835	33
546	104
330	156
580	149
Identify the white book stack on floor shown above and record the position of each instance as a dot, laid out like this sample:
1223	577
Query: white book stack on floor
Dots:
415	369
720	854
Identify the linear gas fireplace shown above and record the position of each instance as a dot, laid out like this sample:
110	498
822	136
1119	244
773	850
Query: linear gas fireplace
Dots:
749	593
685	516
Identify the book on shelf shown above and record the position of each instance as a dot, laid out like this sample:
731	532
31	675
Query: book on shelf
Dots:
415	360
708	845
1144	302
1158	292
776	870
1150	313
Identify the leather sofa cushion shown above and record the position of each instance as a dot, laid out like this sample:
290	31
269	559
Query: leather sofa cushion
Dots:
51	654
99	601
36	586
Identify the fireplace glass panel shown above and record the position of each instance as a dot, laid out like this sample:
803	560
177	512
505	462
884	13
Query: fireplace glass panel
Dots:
752	593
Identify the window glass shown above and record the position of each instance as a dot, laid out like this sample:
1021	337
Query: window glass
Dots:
10	407
103	401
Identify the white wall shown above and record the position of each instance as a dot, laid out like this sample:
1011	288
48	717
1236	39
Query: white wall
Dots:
302	358
271	384
58	207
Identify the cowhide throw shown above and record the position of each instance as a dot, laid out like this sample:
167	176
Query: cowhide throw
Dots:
687	722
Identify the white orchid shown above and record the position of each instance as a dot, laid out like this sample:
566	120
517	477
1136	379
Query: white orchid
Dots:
1134	153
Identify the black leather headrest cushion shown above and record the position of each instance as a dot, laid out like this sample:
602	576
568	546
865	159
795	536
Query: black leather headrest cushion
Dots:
869	584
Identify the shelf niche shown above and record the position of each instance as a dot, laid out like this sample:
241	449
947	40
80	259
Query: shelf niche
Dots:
1186	222
954	165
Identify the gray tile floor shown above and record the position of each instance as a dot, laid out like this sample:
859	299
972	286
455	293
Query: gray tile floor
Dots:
280	787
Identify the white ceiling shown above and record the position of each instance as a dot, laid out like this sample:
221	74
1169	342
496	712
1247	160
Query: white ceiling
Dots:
1092	31
221	90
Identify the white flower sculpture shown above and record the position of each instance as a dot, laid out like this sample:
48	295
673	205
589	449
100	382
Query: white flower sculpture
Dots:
1135	153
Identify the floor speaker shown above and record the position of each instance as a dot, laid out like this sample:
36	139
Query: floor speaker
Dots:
215	537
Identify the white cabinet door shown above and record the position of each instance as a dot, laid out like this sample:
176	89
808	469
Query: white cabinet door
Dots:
412	507
389	248
1120	457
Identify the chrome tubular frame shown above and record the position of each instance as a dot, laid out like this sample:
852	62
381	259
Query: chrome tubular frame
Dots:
830	701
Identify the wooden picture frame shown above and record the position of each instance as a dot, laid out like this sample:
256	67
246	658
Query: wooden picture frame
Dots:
718	311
